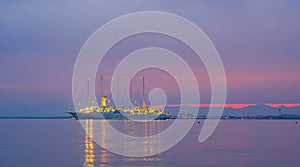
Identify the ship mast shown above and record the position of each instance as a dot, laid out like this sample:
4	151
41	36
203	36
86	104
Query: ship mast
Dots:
118	101
88	91
143	103
130	79
101	85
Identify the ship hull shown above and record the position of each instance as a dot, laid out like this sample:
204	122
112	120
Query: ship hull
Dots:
118	115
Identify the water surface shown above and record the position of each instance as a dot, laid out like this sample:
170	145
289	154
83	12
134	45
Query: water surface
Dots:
63	142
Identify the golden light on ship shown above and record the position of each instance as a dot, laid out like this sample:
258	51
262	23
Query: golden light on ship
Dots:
103	101
106	110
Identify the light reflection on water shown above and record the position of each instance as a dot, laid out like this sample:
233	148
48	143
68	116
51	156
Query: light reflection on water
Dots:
264	143
89	145
64	143
96	156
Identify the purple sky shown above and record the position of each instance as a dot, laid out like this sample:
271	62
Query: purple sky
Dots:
258	42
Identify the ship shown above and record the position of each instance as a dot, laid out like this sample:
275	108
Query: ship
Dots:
113	113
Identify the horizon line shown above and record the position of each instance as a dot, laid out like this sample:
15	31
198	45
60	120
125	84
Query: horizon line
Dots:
237	105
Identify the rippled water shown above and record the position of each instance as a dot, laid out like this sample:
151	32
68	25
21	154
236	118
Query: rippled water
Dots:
26	142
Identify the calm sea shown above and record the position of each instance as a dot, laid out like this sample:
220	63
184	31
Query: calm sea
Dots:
65	143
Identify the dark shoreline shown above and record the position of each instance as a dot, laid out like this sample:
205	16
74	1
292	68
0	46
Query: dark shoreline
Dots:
199	118
259	117
35	117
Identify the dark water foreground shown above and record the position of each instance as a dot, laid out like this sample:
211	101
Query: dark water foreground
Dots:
64	143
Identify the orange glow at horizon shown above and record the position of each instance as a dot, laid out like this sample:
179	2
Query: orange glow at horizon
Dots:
234	105
283	105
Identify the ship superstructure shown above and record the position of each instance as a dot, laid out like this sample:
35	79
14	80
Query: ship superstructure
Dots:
109	112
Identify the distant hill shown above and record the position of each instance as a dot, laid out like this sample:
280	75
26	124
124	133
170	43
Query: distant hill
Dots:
259	109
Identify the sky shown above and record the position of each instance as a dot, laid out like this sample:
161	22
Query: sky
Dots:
258	42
